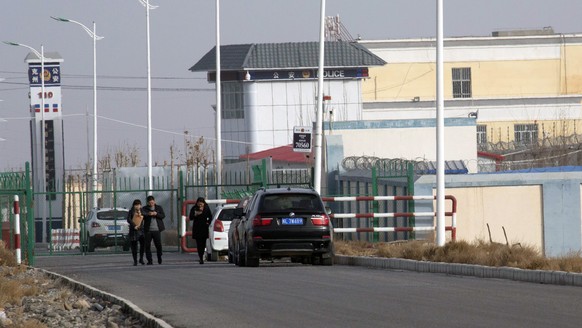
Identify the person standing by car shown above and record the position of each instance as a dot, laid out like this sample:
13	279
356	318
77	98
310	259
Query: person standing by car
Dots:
201	217
136	234
153	226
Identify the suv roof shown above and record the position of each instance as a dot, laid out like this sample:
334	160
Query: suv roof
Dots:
285	199
288	190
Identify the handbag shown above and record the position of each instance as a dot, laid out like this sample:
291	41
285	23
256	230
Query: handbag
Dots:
137	220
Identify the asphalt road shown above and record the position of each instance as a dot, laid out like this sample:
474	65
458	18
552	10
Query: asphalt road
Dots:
186	294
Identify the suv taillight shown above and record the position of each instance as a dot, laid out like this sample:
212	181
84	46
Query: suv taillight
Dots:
218	226
95	225
258	221
320	220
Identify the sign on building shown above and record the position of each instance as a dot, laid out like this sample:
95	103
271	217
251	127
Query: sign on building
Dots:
302	139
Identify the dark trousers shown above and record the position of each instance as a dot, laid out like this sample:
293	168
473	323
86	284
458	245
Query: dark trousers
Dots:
156	236
134	249
200	246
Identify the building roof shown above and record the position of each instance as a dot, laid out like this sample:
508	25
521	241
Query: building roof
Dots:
267	56
281	154
49	57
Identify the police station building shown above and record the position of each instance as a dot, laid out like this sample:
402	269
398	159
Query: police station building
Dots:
270	88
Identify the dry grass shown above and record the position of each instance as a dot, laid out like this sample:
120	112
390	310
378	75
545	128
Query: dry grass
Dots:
480	252
15	285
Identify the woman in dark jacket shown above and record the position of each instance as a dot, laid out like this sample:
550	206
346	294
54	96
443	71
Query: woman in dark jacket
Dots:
201	217
136	234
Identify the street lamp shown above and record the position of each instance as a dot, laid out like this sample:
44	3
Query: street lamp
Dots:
42	127
95	37
218	106
147	6
319	117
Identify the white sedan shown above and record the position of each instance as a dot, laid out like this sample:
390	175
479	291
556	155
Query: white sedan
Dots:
217	242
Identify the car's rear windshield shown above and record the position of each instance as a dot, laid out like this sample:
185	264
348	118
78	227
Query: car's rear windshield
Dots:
292	202
112	215
227	214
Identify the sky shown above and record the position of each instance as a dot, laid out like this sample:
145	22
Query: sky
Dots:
181	32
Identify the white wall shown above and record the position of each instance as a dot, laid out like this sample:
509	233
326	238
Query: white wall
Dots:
273	108
408	139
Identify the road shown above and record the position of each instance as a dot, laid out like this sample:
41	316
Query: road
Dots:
187	294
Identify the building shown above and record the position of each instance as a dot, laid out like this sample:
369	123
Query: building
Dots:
268	89
522	87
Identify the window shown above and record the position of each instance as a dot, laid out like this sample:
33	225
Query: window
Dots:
462	82
481	134
526	134
232	100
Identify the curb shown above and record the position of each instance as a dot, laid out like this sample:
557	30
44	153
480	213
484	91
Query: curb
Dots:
481	271
145	318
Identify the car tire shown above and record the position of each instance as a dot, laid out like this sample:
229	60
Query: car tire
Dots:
230	256
126	247
326	259
213	256
242	260
251	261
90	244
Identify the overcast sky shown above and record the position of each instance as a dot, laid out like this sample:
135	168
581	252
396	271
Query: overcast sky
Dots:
182	31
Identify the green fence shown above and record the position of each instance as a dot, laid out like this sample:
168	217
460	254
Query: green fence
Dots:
67	208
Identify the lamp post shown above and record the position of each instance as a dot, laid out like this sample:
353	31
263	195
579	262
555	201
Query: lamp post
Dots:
42	156
218	106
95	37
440	130
147	6
319	117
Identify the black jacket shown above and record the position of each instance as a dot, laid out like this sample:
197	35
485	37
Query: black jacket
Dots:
200	222
148	219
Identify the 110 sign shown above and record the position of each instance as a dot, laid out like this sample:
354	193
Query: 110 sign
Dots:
47	95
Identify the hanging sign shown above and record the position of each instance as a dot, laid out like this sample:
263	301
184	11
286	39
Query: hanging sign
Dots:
302	139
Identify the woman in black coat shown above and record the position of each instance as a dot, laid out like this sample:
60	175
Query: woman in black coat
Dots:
136	234
201	217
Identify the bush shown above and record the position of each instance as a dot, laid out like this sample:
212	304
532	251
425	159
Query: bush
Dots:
479	252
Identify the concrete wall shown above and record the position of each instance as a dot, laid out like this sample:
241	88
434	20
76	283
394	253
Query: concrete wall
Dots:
539	209
407	139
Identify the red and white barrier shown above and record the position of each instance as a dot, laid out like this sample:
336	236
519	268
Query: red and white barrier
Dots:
452	214
64	239
17	229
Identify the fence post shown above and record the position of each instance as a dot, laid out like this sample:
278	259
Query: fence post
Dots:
17	230
264	173
410	187
376	222
29	216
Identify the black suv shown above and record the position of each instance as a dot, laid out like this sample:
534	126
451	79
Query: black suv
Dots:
277	223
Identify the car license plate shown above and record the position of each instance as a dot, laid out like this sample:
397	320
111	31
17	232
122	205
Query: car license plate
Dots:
113	228
292	221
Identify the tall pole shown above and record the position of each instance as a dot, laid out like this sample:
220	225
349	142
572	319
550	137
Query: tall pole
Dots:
147	6
150	178
42	144
218	106
95	37
95	173
319	114
440	137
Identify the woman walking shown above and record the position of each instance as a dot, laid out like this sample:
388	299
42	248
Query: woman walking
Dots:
136	234
201	217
